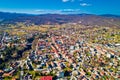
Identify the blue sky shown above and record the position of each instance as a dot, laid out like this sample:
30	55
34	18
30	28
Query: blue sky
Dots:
61	6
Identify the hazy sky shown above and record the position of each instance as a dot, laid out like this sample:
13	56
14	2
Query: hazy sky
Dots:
61	6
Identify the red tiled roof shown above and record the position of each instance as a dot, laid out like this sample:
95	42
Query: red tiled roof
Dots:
46	78
1	70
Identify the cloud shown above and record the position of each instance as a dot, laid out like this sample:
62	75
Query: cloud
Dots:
60	11
39	10
70	10
65	0
68	0
85	4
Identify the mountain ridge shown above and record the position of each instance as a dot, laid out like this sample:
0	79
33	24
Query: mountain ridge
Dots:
85	19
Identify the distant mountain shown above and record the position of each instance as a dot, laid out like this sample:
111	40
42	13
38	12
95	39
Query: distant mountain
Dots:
111	15
85	19
7	15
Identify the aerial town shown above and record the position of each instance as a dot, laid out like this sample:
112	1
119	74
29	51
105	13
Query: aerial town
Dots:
59	52
59	39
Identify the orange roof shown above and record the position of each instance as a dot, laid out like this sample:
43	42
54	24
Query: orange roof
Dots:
13	79
6	74
46	78
1	71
